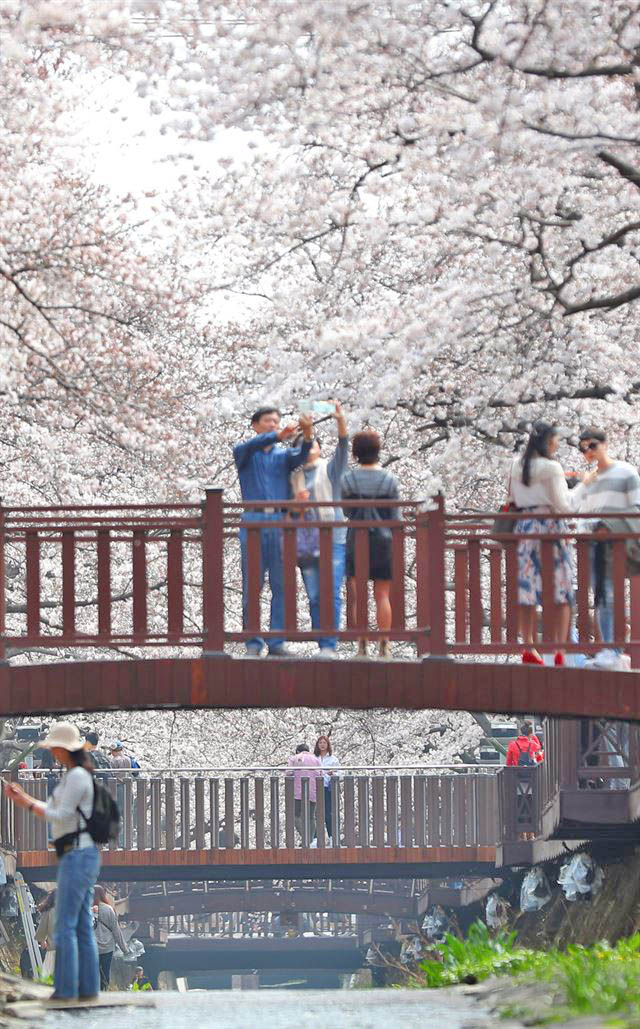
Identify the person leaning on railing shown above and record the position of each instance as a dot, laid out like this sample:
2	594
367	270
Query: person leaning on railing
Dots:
264	468
538	488
370	481
615	487
320	478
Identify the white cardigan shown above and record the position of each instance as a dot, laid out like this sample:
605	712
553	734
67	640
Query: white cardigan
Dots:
547	492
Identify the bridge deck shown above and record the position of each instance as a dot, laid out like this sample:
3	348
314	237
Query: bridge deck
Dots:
442	684
290	863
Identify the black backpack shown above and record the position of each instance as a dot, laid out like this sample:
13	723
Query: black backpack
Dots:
103	824
524	756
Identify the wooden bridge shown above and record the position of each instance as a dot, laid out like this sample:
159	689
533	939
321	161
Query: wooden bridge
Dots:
146	580
428	823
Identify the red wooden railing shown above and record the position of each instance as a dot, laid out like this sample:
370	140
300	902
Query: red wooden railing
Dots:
169	575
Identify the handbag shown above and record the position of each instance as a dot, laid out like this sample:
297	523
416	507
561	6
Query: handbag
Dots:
307	543
379	535
501	524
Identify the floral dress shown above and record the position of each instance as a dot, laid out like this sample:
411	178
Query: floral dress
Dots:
530	562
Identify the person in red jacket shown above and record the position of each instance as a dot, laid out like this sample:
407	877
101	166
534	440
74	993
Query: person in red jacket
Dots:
524	750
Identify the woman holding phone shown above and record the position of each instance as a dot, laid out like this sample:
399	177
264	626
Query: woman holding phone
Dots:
76	971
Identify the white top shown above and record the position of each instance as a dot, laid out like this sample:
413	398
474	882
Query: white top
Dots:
75	790
615	489
328	761
547	492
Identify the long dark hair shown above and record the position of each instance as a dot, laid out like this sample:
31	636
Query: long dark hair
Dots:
81	759
537	445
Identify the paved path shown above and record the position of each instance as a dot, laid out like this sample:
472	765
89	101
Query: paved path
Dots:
288	1009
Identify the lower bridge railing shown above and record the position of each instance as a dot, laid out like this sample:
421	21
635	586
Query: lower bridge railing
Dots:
257	809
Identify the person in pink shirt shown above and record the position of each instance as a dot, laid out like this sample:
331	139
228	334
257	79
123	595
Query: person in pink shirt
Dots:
304	765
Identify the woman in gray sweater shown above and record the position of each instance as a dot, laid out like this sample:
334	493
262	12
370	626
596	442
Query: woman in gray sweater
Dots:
108	934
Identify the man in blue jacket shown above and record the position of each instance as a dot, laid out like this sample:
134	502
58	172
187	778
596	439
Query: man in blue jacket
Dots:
264	467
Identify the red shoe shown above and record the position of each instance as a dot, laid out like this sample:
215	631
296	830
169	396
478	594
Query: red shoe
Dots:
559	659
529	658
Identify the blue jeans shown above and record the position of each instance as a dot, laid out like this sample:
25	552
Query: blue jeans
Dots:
604	608
271	562
311	579
76	972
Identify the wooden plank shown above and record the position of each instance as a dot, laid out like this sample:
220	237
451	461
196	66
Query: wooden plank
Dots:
185	813
290	562
229	815
175	583
362	578
406	811
274	835
214	813
461	585
475	592
199	812
156	814
392	810
398	580
254	578
495	594
320	829
446	814
511	574
349	812
547	548
139	569
377	788
104	582
327	616
170	813
68	582
126	789
33	582
363	811
420	796
141	813
244	812
289	825
582	592
618	582
258	788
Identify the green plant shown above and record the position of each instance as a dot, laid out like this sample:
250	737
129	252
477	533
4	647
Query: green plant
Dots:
477	957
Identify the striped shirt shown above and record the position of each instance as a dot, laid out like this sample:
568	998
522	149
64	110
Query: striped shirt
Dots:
615	489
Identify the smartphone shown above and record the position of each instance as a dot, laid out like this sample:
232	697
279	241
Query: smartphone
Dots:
326	407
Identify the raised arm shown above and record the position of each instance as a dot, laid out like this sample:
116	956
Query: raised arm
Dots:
242	452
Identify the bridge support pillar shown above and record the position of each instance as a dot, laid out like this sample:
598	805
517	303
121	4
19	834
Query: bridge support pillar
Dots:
245	982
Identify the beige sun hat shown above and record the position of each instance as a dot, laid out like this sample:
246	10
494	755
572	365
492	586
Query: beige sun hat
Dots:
65	735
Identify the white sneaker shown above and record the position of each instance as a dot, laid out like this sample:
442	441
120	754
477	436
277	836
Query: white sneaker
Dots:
609	660
326	654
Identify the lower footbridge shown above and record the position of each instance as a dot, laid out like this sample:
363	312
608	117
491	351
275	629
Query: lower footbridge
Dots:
427	822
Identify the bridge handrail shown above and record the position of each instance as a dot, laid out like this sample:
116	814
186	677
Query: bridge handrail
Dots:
163	574
269	769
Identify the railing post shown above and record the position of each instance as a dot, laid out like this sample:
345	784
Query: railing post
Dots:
213	573
3	598
430	572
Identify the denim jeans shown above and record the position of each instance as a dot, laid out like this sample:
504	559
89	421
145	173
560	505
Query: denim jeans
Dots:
271	562
604	609
76	971
311	579
105	969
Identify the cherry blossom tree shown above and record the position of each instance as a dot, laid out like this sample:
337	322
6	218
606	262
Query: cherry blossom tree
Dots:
439	225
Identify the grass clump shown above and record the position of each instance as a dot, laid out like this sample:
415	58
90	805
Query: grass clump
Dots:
599	980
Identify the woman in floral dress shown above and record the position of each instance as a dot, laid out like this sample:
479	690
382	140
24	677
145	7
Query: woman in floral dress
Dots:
538	488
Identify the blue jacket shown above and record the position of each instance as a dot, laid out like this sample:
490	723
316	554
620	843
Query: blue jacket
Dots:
264	474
